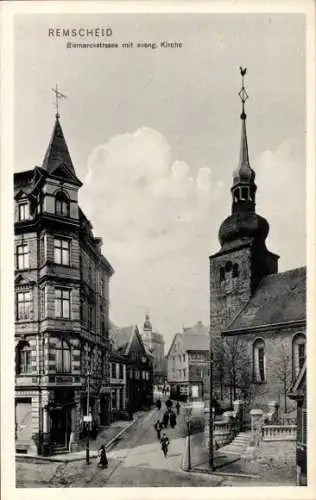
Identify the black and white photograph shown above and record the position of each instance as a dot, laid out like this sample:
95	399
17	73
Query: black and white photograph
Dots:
159	214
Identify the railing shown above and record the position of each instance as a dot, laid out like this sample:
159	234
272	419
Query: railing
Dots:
279	432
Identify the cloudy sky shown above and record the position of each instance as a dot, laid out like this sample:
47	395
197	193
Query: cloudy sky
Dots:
154	135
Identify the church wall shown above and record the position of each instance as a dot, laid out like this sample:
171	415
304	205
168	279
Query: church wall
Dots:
278	344
228	296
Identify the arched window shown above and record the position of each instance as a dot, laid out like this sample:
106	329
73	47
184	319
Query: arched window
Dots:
244	193
228	266
63	355
298	353
61	204
259	361
221	274
23	358
235	271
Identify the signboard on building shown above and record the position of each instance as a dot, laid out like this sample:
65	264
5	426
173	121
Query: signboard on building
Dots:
87	418
195	391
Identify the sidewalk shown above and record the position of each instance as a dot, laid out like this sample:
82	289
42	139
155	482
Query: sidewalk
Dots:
108	436
273	463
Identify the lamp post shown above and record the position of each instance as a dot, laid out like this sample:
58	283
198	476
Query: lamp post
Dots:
188	421
211	417
88	421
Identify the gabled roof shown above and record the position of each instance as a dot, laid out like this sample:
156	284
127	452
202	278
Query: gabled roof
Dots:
57	160
197	329
123	338
195	342
175	337
279	298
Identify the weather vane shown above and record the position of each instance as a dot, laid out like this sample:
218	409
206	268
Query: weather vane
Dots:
243	93
58	95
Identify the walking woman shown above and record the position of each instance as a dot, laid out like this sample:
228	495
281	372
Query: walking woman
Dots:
164	444
165	419
103	463
173	419
158	428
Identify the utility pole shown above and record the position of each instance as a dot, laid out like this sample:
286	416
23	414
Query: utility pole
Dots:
88	421
211	418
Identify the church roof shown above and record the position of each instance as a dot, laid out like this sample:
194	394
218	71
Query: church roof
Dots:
279	298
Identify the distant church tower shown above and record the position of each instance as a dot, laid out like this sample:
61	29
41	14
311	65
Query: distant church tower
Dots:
243	259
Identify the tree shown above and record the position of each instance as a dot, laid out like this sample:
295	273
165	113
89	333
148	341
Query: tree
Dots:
283	372
232	367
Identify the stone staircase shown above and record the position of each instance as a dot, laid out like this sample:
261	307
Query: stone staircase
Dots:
239	445
59	449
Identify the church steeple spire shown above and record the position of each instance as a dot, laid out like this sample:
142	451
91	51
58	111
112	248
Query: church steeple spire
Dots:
244	188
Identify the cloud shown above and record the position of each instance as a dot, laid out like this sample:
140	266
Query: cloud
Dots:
281	179
159	219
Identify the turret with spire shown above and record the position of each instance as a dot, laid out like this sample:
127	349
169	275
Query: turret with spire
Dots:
243	259
244	223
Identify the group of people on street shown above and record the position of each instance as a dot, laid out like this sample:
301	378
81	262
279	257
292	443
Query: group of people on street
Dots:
169	416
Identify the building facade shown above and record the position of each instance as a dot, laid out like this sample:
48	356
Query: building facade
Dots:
188	363
117	384
62	306
128	343
259	312
155	344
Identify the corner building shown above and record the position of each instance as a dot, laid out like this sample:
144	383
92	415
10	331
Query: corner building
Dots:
249	299
62	307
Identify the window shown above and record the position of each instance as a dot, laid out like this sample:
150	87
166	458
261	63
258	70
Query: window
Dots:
24	212
113	399
244	193
235	271
23	358
298	353
221	274
259	361
61	251
228	266
43	302
24	302
42	250
61	204
184	372
183	357
90	316
121	371
63	364
62	303
113	370
22	256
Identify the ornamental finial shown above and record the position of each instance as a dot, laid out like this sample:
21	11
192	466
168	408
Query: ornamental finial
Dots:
243	93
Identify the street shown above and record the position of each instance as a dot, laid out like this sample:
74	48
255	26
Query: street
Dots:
136	460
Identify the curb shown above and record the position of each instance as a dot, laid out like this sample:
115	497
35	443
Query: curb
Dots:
223	474
67	459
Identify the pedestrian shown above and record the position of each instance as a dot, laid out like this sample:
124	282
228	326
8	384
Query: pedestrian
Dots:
158	428
158	404
103	463
178	408
164	444
173	419
165	419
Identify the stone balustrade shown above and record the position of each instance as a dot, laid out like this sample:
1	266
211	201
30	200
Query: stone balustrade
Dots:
279	432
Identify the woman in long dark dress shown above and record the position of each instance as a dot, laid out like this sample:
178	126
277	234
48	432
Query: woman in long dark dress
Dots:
103	463
173	419
165	419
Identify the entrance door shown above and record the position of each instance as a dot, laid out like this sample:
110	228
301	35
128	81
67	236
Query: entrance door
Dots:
23	419
59	426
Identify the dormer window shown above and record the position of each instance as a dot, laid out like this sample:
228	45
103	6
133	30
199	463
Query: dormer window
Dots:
24	212
221	274
62	204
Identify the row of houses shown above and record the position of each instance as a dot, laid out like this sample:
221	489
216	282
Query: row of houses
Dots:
70	361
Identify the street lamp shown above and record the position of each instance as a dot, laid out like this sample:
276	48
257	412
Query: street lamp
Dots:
88	418
187	417
211	416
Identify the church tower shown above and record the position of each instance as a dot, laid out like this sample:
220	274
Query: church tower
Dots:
243	259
